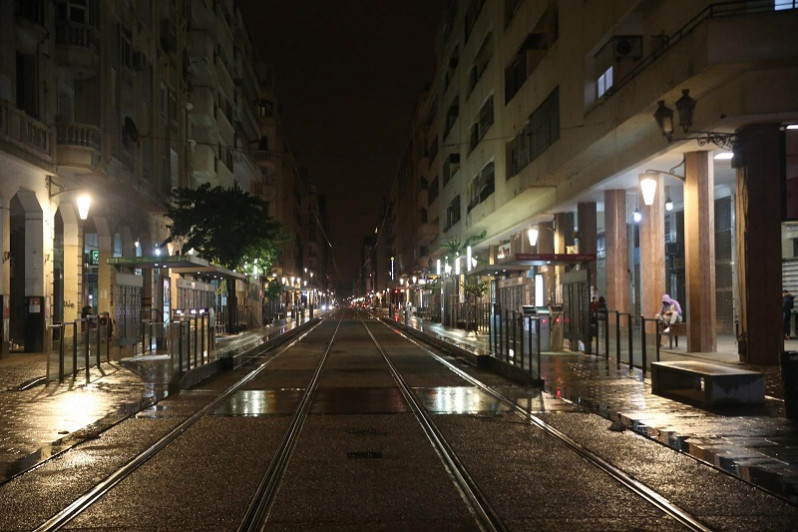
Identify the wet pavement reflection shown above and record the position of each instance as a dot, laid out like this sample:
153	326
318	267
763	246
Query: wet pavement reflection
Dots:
459	400
260	403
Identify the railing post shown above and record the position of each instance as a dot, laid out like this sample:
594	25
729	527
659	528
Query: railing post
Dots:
631	350
531	351
643	340
61	362
86	342
180	346
203	319
606	335
618	339
75	350
538	334
99	341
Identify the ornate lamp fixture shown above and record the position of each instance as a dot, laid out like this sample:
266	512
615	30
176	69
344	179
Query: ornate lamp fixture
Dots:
685	106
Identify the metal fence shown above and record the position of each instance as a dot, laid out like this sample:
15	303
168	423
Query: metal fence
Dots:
474	317
77	346
633	340
191	339
515	338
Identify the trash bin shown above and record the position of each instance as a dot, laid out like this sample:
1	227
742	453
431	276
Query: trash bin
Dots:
789	379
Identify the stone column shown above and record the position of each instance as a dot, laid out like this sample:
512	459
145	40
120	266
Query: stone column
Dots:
699	251
546	246
586	216
616	249
759	157
652	252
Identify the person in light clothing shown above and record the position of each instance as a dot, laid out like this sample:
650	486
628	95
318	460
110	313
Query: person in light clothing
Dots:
669	313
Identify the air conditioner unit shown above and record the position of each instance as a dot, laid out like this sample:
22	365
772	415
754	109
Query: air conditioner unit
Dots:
627	47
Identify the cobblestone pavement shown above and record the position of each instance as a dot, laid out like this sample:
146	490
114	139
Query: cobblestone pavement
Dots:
759	445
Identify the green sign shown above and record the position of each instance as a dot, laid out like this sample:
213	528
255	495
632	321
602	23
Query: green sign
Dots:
94	257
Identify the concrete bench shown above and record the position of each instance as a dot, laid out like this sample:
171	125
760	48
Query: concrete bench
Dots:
707	384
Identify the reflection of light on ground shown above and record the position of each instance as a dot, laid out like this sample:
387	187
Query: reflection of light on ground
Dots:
251	403
459	400
76	410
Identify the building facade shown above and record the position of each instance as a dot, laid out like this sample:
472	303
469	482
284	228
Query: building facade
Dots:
539	127
124	101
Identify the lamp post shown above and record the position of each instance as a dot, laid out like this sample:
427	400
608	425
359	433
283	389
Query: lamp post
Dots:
84	204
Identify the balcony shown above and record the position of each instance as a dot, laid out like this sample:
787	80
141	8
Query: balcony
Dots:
78	145
201	57
202	15
202	114
77	49
25	137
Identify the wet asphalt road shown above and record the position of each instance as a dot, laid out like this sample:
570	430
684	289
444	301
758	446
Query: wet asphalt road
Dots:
362	461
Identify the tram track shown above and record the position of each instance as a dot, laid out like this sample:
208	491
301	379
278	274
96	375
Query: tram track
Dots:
640	489
85	501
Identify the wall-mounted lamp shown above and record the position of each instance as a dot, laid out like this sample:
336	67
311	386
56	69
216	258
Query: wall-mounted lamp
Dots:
648	186
636	216
668	204
685	106
532	234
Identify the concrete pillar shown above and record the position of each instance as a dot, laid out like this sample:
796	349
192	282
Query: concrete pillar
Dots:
104	270
652	252
616	250
699	251
73	260
759	157
563	239
586	216
546	246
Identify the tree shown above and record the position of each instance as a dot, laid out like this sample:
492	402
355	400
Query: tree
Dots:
229	227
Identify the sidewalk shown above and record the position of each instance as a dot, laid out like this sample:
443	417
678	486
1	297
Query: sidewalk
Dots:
38	421
759	447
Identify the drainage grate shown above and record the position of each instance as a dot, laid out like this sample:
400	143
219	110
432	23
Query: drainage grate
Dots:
364	455
362	432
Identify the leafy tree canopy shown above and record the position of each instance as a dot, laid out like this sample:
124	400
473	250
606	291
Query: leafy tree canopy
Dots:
229	227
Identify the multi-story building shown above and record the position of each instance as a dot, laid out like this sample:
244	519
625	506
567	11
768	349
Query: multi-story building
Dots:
124	101
539	127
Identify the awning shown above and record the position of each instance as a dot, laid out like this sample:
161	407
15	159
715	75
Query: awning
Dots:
189	264
524	261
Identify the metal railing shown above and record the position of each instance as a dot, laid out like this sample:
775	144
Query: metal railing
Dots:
633	340
515	339
77	346
191	339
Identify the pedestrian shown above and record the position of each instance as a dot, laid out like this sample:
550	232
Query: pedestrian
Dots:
787	304
669	313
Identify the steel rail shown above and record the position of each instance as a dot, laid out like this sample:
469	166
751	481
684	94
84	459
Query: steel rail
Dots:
259	506
57	521
486	516
651	496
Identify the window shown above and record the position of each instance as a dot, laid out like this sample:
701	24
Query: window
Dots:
528	57
471	16
450	70
482	186
164	101
452	212
450	167
434	189
423	215
542	131
510	9
480	128
264	143
481	62
784	4
451	116
604	82
432	150
117	252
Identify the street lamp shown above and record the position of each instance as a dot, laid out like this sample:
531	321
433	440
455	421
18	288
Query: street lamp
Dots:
685	106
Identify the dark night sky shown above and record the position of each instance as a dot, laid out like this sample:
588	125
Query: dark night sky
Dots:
348	75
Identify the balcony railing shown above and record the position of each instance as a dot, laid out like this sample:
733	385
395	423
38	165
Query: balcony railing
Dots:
26	133
75	34
79	135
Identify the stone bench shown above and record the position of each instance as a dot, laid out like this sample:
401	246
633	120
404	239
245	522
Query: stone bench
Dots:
707	384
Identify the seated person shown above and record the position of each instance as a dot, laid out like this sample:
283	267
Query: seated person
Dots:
669	313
